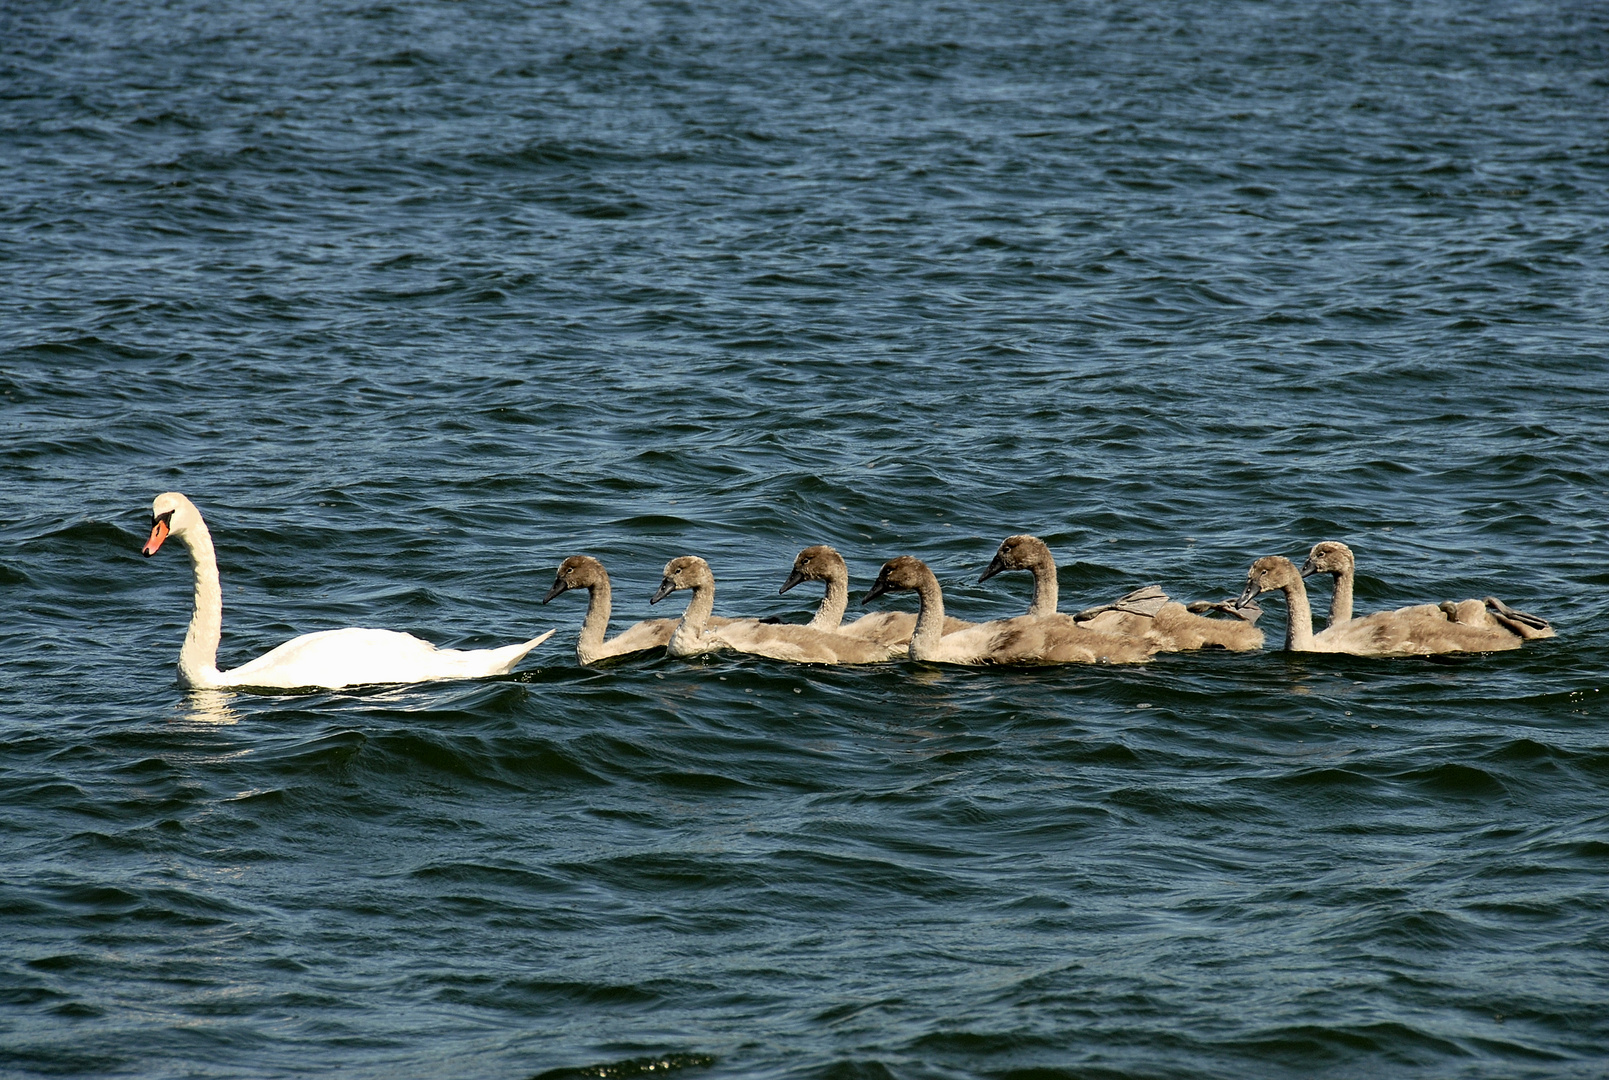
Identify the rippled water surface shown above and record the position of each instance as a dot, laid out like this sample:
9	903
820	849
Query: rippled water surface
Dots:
415	299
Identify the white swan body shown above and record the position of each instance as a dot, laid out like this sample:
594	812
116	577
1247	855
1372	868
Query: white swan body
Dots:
1026	639
695	634
1420	630
1145	612
329	659
823	563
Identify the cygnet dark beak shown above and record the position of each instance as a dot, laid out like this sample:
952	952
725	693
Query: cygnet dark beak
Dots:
1308	569
878	589
559	586
1247	593
793	579
666	587
996	567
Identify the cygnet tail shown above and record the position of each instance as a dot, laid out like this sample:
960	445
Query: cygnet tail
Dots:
1146	600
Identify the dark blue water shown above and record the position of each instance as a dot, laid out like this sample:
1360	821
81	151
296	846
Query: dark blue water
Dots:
416	299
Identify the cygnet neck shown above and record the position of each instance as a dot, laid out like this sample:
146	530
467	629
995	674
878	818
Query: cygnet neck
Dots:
595	626
1044	571
830	615
929	617
688	637
1341	599
1298	615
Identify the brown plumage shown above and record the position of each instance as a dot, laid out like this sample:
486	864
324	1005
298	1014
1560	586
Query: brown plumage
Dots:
1145	612
585	572
695	634
824	564
1467	626
1026	639
1335	559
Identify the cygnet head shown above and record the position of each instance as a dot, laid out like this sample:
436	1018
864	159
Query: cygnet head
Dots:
1020	552
899	574
817	563
1328	557
577	572
683	572
1269	572
171	514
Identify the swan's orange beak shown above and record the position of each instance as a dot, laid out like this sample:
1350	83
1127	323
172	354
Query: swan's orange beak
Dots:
159	533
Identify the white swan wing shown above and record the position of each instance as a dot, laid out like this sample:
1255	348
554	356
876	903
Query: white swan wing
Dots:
332	659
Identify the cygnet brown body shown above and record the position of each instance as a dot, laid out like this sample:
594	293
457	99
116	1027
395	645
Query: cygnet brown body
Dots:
1423	629
695	634
1026	639
1171	625
585	572
823	563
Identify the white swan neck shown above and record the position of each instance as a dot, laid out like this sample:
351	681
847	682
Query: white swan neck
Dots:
830	615
198	660
596	625
929	619
1298	618
1044	588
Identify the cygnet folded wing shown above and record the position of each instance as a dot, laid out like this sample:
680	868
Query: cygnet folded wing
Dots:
800	644
1026	639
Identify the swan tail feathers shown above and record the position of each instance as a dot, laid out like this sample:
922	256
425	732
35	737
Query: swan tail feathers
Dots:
510	655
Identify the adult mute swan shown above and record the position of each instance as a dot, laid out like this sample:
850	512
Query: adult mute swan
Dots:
780	641
329	659
1467	626
822	563
1026	639
1144	612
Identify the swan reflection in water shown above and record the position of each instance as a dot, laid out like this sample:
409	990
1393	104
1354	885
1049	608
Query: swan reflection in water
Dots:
207	707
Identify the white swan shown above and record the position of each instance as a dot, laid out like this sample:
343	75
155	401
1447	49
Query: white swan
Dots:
329	659
1026	639
1144	612
823	563
695	635
1467	626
